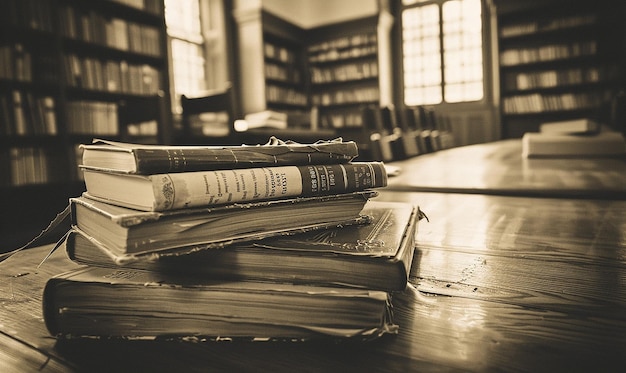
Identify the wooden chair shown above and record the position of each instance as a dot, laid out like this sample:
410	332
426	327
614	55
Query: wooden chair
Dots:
379	138
428	132
145	119
446	135
402	146
209	119
408	120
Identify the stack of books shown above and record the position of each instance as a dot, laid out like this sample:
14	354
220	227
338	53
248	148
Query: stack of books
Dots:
281	241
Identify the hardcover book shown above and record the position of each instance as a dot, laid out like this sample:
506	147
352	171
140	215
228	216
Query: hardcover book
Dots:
377	255
125	232
571	127
102	302
605	143
153	159
161	192
262	119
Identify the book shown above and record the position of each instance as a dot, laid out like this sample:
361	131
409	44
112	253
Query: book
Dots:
98	302
604	143
376	255
126	231
262	119
161	192
573	126
152	159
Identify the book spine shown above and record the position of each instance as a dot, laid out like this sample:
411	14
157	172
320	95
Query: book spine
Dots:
153	161
208	188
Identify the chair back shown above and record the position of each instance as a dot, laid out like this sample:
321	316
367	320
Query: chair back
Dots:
209	119
145	119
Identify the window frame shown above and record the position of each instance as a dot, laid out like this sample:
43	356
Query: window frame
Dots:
217	55
489	53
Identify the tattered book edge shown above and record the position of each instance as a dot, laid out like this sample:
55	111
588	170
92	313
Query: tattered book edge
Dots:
62	220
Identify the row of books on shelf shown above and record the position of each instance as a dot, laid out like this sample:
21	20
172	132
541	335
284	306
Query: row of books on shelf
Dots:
118	33
537	102
341	118
285	95
557	78
564	22
338	55
350	95
345	72
28	14
278	53
92	118
30	165
279	241
111	75
511	57
283	73
344	42
15	62
40	14
22	113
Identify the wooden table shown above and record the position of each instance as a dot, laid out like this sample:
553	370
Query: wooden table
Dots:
499	168
498	284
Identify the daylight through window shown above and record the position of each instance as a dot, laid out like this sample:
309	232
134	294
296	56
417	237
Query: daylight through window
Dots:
442	51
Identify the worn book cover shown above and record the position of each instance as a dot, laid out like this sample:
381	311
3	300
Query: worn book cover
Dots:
375	255
177	190
155	159
102	302
126	232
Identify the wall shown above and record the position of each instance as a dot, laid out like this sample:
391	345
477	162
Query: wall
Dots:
313	13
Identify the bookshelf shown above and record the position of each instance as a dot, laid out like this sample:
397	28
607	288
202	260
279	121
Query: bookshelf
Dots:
343	67
332	71
271	66
284	69
559	60
66	64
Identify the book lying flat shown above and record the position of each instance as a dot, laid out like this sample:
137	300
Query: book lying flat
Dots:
604	143
570	127
126	231
160	192
264	119
109	303
376	255
152	159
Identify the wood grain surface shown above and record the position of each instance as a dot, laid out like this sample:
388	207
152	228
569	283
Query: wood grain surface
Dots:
498	284
499	168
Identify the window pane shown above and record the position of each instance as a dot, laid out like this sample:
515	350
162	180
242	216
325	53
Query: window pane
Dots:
188	67
187	47
462	53
183	19
422	51
461	75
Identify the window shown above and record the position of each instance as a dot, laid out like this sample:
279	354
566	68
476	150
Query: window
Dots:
186	46
196	33
442	51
